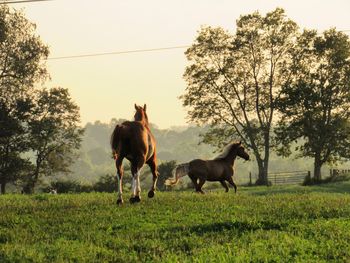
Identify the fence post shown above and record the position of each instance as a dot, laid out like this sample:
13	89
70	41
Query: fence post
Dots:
250	178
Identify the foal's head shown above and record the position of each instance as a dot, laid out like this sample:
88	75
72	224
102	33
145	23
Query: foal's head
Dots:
140	114
240	151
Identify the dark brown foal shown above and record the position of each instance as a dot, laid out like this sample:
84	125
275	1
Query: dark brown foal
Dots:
219	169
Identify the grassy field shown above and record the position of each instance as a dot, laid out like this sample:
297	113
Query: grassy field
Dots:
258	224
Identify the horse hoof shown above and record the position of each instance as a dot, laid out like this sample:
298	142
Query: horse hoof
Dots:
120	201
151	194
135	199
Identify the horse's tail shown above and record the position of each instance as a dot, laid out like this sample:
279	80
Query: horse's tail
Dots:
179	171
115	139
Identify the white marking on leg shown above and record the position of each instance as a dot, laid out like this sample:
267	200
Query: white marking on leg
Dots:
133	186
138	185
155	179
119	189
119	186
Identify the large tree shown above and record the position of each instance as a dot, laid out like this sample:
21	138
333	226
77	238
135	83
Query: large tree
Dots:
54	134
315	106
234	80
22	64
13	141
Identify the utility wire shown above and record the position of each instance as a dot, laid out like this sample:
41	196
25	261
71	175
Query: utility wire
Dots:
118	52
129	51
21	1
105	53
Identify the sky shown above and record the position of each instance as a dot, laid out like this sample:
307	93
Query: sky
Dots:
107	87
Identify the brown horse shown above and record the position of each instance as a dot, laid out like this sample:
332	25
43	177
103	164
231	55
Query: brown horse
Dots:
219	169
134	141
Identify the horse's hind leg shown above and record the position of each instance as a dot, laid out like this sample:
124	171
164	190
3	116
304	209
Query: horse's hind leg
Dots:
153	165
224	185
199	186
136	187
231	182
119	177
194	180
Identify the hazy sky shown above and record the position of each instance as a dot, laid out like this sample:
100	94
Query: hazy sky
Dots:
107	87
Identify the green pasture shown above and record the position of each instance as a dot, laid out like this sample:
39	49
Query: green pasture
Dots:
258	224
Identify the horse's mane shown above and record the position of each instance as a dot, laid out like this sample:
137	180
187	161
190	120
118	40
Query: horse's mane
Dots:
225	152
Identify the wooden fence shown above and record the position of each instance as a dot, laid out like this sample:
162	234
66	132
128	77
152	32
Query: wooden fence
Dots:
296	177
336	172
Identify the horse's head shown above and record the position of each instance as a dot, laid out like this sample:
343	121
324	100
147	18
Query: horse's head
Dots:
140	114
241	152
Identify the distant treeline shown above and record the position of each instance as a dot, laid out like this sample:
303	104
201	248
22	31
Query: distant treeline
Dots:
178	144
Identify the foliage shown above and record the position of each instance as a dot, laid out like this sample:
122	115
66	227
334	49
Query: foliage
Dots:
106	183
68	186
233	81
259	224
22	64
331	179
34	122
315	104
54	133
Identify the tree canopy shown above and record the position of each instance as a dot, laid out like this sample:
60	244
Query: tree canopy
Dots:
234	81
32	119
315	105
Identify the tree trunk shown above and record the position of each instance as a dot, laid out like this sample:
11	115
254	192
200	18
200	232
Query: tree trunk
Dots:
266	171
263	165
317	168
29	187
2	188
267	157
262	173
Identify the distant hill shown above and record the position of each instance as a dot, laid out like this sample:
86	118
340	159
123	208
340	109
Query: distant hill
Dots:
181	144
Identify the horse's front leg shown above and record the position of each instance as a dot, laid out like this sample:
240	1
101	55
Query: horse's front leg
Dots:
231	182
153	165
119	177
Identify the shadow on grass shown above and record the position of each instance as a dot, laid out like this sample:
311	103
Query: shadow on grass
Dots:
338	187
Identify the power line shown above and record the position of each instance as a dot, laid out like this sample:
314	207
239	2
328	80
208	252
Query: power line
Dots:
118	52
22	1
128	51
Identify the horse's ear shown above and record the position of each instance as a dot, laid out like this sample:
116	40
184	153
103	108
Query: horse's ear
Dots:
144	107
240	142
136	107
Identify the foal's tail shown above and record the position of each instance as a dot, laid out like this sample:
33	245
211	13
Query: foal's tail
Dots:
179	171
115	139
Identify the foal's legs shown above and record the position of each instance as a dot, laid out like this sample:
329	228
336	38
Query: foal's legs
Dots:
119	177
231	182
224	185
153	165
